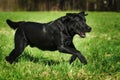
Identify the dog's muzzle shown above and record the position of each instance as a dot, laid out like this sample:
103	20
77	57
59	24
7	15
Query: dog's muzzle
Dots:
88	29
82	33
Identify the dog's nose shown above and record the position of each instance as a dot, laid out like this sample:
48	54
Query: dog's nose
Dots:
89	29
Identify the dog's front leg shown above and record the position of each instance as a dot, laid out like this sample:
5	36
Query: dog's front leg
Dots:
73	58
74	52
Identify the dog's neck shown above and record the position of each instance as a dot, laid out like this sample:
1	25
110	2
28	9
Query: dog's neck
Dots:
64	26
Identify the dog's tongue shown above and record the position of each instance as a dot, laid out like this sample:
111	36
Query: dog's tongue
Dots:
82	34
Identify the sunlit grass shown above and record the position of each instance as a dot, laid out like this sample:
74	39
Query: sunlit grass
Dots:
101	47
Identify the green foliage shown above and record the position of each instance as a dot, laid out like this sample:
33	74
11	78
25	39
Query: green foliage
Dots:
101	47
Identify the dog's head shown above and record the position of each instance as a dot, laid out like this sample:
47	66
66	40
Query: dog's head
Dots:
77	23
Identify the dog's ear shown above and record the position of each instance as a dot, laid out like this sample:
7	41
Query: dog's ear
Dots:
83	13
65	19
69	15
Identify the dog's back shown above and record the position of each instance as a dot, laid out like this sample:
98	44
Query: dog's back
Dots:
39	35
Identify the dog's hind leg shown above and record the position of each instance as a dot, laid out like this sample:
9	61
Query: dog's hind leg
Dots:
20	44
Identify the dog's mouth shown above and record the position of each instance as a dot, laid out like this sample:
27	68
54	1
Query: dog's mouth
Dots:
82	34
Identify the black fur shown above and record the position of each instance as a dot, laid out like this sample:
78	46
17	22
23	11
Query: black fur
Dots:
55	35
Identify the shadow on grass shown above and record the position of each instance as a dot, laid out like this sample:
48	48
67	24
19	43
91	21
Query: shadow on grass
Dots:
41	59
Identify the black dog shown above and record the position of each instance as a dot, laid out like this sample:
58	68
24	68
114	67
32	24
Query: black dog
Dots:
55	35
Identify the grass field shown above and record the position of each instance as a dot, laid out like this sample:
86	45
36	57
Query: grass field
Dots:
101	47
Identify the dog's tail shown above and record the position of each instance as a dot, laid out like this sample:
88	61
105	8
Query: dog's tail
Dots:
13	25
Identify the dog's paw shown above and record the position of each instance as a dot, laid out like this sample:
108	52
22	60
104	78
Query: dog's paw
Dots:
84	61
8	59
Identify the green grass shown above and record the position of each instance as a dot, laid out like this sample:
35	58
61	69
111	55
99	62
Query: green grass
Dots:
101	47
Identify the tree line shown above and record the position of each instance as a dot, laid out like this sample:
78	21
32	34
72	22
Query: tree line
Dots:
43	5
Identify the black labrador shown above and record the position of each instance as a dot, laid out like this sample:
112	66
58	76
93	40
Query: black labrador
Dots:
55	35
